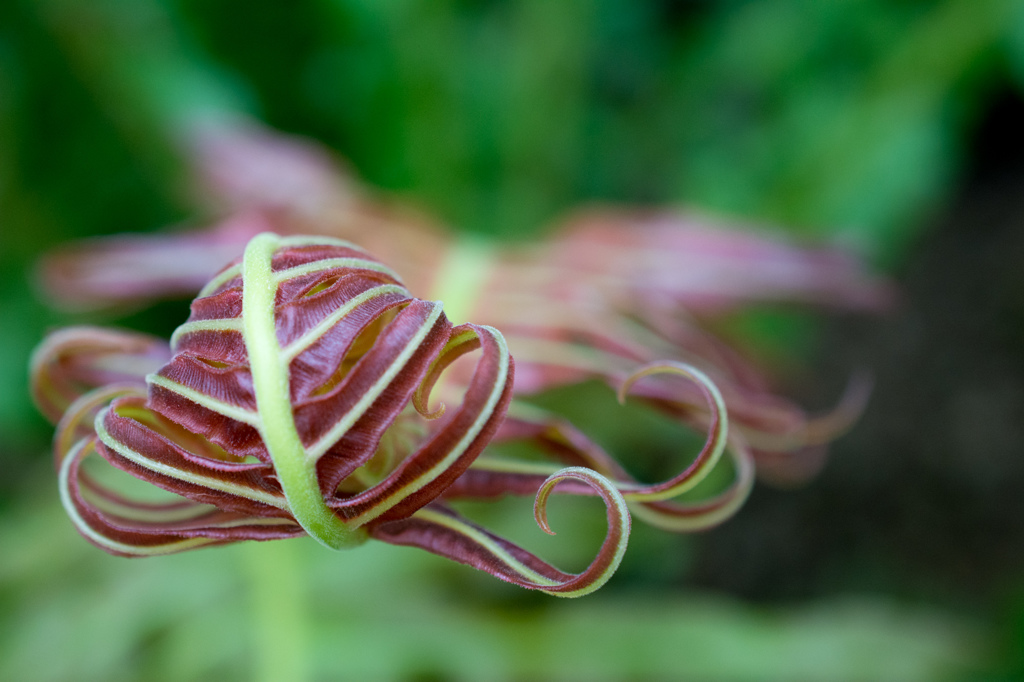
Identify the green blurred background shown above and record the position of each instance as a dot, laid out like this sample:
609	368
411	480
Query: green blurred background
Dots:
891	127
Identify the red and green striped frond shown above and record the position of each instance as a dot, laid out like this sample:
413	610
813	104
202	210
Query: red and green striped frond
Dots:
294	400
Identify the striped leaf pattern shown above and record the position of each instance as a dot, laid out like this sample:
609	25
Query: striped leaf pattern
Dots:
294	401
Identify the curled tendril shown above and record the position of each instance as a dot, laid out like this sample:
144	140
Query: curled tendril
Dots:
490	476
717	431
614	546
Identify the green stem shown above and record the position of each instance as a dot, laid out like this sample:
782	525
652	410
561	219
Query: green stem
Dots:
295	469
465	271
279	612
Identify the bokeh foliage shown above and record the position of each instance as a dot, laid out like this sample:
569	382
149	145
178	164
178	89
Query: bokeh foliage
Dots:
840	120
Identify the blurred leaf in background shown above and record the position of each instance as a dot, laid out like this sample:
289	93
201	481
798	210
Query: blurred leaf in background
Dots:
383	614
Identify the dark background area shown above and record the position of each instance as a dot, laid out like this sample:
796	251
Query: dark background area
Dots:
924	494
